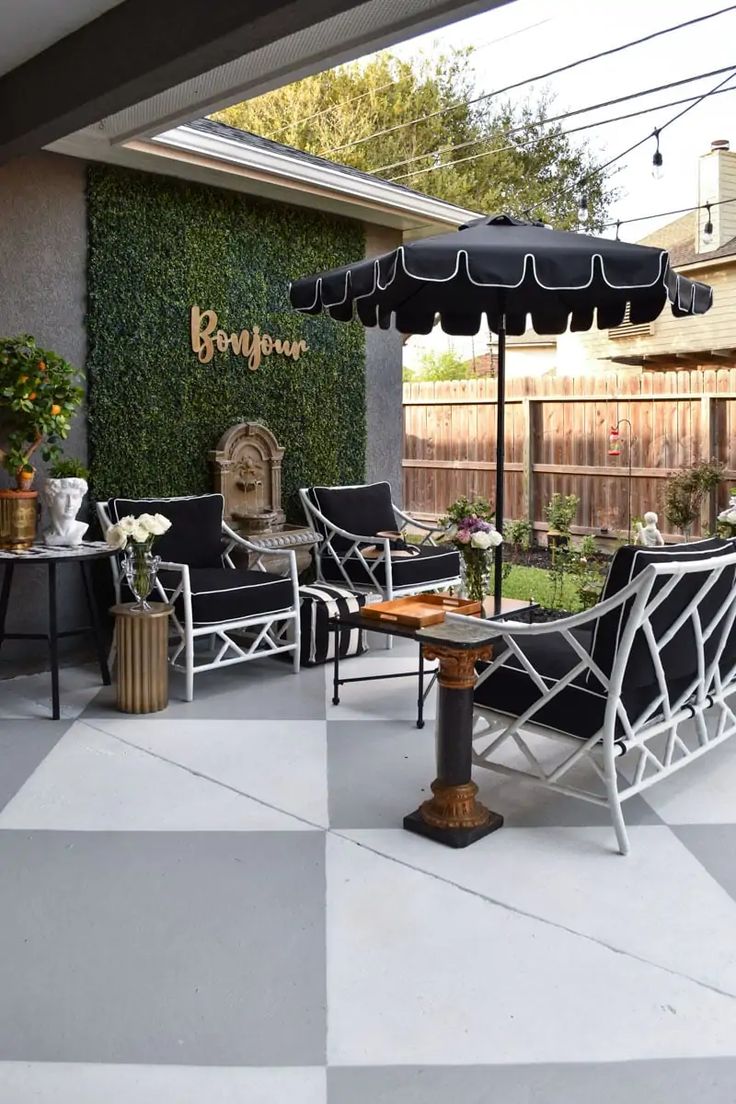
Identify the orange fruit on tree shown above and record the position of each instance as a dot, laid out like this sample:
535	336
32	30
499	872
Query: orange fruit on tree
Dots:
55	409
32	396
41	366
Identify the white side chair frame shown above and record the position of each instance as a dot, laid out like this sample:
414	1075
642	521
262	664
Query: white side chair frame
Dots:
358	542
669	733
265	634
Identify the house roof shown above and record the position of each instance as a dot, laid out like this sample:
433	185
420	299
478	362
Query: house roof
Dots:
678	238
257	141
250	163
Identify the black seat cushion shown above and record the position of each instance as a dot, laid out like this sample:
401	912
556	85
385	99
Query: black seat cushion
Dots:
679	656
577	709
432	564
195	536
364	510
223	594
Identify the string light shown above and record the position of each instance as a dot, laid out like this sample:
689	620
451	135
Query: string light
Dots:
708	228
618	230
657	166
583	209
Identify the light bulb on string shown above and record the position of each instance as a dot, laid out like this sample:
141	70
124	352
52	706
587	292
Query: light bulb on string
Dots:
583	209
618	230
708	228
657	160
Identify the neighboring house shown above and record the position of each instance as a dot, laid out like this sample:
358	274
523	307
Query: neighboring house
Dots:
531	354
706	340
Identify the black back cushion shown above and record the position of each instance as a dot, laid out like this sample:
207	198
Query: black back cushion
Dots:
679	656
365	510
195	536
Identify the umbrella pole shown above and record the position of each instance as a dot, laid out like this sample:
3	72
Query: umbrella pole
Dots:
500	445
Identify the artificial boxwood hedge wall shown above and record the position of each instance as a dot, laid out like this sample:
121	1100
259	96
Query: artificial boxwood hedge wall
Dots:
156	247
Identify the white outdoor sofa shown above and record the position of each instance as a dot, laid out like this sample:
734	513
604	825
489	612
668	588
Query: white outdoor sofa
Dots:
603	704
222	614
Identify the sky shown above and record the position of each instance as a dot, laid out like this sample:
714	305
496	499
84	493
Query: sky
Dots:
527	37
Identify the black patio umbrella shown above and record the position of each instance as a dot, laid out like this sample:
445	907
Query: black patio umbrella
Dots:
507	269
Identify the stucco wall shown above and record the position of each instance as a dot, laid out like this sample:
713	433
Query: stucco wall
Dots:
383	391
42	292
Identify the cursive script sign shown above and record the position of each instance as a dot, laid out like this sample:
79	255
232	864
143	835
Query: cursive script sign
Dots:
250	344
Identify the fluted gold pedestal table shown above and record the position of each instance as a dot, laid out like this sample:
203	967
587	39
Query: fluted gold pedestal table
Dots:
142	650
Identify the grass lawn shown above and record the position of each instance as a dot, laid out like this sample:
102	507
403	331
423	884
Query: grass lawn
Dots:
534	582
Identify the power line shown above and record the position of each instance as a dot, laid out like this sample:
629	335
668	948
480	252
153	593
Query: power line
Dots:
666	214
561	134
529	80
389	84
559	118
655	134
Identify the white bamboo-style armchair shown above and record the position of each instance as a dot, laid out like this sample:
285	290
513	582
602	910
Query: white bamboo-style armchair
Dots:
355	552
222	614
603	704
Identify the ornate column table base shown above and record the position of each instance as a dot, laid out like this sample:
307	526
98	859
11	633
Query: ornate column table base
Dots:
452	815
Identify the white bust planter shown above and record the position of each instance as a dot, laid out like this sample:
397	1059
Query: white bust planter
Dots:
63	498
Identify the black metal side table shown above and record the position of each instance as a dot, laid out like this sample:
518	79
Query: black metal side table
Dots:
82	555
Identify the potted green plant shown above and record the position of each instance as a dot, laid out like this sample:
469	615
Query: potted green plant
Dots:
39	395
685	491
559	511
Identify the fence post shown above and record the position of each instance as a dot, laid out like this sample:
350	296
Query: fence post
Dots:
528	423
707	445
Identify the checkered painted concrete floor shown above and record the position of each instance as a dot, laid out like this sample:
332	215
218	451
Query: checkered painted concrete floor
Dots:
218	903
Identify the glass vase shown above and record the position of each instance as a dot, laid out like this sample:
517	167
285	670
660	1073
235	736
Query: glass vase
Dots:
140	567
475	573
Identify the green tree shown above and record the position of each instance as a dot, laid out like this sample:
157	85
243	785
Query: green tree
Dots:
536	166
438	366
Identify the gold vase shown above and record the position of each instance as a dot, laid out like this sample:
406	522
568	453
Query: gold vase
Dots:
18	514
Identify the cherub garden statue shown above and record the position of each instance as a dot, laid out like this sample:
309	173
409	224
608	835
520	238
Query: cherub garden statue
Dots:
648	534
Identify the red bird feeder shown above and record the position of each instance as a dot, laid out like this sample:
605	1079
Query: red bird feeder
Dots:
614	442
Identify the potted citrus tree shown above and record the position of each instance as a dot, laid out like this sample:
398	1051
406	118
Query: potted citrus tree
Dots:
39	395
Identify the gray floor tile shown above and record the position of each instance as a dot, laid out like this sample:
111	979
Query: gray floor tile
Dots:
674	1081
526	805
23	744
380	770
246	691
167	947
714	845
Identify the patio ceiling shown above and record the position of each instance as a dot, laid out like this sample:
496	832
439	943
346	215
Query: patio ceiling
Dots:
140	68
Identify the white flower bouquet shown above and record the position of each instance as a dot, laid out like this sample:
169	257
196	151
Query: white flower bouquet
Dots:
138	530
135	535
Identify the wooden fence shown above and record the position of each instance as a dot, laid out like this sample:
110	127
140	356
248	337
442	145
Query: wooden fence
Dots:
557	439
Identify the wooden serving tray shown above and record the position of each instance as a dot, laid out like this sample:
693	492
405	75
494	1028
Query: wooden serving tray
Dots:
420	610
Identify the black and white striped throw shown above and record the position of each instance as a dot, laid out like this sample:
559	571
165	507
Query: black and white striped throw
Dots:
319	604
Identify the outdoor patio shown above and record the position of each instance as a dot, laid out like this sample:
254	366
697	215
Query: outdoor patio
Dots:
219	903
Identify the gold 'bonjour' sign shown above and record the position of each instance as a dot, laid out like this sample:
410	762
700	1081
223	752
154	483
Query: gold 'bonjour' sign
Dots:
251	344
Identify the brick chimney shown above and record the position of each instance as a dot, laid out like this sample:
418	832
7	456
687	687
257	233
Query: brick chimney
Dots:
716	182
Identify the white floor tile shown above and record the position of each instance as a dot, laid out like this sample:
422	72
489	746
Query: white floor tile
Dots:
73	1083
387	700
422	972
658	903
30	695
93	781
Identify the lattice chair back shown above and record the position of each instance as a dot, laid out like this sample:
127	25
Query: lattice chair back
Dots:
681	607
675	643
